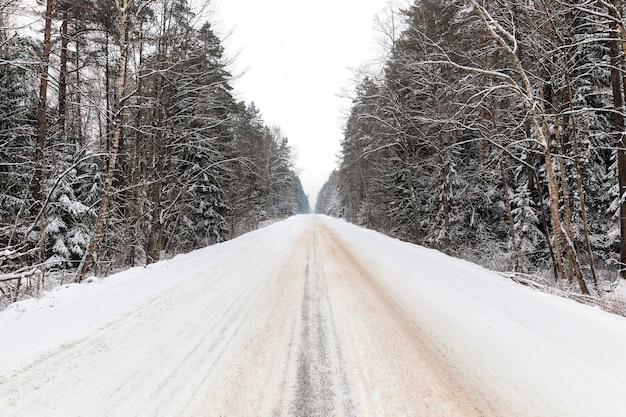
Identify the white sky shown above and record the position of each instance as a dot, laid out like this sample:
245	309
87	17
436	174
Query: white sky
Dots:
297	59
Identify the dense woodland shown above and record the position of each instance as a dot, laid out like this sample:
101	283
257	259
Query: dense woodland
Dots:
121	142
495	132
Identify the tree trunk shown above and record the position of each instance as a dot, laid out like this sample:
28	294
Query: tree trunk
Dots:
90	254
535	191
572	254
105	128
573	134
43	106
79	116
535	107
560	237
39	177
553	194
413	197
153	249
136	174
507	203
446	208
445	201
583	210
63	73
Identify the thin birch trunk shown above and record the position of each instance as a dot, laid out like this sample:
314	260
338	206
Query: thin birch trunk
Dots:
536	114
571	251
91	253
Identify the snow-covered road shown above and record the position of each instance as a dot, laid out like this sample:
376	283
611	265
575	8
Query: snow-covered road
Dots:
309	317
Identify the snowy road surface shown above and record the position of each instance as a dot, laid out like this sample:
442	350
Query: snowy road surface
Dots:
309	317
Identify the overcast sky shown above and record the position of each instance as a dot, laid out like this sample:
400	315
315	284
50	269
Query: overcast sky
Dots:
297	58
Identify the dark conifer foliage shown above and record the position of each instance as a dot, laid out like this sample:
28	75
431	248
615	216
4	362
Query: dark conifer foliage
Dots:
140	111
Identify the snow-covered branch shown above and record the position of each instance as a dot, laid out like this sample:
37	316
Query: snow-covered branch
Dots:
21	274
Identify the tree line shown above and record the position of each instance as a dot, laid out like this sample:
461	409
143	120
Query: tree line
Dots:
121	142
495	132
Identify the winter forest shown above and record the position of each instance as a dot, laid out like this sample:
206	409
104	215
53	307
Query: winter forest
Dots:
121	142
495	133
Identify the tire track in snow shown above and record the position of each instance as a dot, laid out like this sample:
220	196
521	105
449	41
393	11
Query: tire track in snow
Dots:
322	387
290	348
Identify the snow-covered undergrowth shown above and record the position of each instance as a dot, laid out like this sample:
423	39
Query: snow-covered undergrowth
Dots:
33	287
608	295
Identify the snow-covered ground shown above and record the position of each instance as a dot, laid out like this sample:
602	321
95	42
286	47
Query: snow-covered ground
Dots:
551	355
310	316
